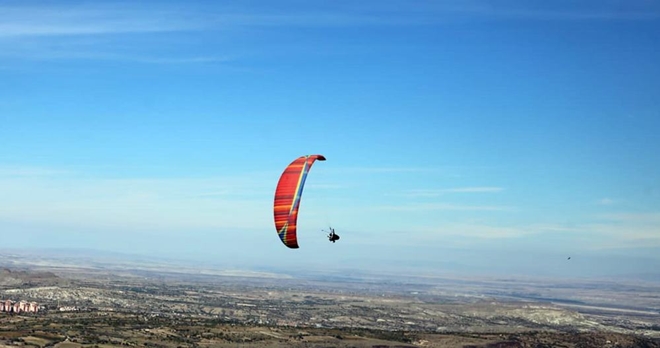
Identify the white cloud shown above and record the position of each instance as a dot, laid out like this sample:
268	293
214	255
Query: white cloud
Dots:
638	217
97	18
25	171
130	17
133	204
623	231
607	236
605	201
441	206
99	30
68	198
96	30
447	234
324	186
440	192
474	189
630	10
480	231
553	228
381	169
639	229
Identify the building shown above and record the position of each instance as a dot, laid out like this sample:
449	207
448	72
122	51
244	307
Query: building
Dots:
9	306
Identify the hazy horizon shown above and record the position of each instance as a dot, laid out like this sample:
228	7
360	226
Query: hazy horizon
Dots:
455	264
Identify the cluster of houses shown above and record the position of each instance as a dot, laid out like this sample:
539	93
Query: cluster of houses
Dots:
10	306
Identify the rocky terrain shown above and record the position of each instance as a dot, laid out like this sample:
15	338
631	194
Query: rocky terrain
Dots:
9	278
114	329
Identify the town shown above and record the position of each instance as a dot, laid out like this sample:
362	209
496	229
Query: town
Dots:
10	306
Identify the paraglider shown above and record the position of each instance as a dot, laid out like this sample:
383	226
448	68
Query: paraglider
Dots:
332	236
287	198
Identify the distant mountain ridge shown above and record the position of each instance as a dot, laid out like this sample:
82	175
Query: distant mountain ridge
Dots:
9	278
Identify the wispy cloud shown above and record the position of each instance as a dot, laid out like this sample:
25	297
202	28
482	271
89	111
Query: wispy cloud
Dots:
442	170
30	171
430	12
102	31
440	192
128	17
131	57
442	207
553	228
118	30
482	231
621	230
97	18
583	11
648	218
448	234
54	31
605	201
90	19
381	169
474	189
324	186
639	231
41	197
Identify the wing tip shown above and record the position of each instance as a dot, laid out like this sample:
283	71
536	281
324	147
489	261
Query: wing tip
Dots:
291	245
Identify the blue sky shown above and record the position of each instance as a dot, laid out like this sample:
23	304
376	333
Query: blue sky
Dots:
462	136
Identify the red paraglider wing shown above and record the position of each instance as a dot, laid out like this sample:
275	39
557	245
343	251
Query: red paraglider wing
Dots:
287	198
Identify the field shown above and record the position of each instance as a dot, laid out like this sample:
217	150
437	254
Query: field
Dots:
123	329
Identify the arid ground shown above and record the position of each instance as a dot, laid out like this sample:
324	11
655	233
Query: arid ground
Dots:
169	306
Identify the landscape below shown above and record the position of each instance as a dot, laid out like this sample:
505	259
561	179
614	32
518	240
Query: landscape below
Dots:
115	302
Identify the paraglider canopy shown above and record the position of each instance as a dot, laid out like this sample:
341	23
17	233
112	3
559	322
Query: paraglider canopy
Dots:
287	198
